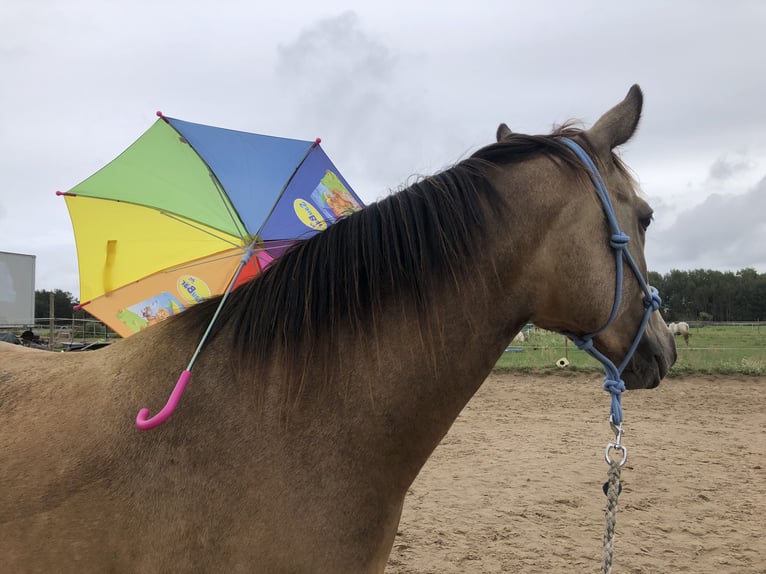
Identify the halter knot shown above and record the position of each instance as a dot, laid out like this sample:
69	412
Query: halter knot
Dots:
584	344
614	386
619	240
652	300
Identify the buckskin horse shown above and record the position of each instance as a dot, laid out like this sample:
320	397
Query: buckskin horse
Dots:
329	379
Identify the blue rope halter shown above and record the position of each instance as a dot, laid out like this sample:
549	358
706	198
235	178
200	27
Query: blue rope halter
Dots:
618	240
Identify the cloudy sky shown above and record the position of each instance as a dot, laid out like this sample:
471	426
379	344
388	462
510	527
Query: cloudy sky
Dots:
393	89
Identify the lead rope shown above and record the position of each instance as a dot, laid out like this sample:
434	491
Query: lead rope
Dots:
612	490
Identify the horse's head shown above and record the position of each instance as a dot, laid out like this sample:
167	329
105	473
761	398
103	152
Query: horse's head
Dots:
582	246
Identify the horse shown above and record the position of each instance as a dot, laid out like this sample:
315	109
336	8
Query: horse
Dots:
520	337
328	380
682	329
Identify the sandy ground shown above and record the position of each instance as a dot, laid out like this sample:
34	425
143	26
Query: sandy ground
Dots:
516	484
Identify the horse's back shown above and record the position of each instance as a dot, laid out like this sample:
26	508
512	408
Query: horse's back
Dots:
9	351
47	401
36	376
59	460
77	474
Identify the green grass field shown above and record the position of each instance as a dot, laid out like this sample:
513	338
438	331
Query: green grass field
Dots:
725	350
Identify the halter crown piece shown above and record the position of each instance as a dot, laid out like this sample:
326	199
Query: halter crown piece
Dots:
618	240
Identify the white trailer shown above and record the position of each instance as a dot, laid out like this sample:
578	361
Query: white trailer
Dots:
17	289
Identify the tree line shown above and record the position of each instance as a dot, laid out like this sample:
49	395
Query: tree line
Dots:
698	295
706	295
63	304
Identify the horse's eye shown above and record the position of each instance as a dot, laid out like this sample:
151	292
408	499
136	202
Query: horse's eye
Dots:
646	222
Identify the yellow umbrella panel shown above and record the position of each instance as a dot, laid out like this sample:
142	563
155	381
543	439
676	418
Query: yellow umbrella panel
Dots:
138	265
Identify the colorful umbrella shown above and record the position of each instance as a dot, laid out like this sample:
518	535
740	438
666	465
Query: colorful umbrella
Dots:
189	210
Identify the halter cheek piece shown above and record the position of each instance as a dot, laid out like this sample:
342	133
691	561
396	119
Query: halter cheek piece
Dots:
618	240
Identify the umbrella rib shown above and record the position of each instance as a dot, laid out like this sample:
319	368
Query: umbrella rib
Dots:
287	184
191	264
198	228
235	218
256	247
172	216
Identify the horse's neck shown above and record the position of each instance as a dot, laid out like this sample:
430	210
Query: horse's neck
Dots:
465	333
471	325
422	372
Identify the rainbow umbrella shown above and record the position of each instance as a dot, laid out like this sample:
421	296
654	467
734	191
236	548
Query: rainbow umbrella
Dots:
189	211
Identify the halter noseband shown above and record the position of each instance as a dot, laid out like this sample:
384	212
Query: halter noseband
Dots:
618	240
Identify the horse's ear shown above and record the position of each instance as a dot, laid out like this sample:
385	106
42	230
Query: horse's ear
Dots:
617	125
503	131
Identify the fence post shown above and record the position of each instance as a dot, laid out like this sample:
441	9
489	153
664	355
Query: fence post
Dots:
51	320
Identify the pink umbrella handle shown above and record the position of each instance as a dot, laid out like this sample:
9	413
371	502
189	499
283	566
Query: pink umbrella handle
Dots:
143	421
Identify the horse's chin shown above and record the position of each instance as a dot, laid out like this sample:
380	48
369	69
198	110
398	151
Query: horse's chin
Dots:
649	365
634	380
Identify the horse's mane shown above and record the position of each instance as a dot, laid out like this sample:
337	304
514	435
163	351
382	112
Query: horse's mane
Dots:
398	249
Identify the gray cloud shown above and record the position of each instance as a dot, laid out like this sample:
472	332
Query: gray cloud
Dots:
358	94
722	232
334	55
724	168
334	77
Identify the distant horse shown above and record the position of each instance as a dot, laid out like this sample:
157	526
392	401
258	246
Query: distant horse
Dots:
680	329
328	380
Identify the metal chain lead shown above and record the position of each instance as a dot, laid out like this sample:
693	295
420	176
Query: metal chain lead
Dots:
616	445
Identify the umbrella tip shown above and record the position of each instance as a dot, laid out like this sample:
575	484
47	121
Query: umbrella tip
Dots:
159	114
317	141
